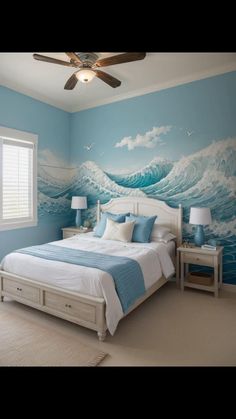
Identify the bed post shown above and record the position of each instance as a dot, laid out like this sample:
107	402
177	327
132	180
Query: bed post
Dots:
98	210
180	225
102	335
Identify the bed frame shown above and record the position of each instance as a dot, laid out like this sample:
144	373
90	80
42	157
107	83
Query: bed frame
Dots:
82	309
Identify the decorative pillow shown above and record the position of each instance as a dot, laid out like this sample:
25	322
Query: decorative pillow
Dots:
100	227
118	231
158	232
143	227
167	238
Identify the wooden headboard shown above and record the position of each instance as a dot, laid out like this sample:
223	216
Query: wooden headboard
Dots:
167	216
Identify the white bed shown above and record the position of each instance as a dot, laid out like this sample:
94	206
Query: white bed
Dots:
85	295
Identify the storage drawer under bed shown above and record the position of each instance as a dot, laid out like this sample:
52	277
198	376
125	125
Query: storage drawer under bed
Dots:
18	289
70	306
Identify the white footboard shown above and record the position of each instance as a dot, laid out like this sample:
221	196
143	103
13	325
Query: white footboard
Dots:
81	309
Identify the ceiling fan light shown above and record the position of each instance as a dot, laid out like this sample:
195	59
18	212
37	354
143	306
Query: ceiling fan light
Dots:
85	75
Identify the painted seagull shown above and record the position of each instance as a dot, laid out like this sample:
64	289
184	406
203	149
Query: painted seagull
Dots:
89	147
190	133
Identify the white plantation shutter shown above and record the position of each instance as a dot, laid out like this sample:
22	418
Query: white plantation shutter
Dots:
17	183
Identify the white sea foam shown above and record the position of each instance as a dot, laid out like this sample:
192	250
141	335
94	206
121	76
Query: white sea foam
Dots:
90	174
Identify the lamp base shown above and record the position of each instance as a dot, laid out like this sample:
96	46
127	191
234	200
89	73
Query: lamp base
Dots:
199	237
78	218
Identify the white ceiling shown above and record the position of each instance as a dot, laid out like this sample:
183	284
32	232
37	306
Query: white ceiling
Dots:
45	81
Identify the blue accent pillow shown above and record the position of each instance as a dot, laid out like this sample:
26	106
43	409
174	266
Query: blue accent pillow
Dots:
142	228
100	227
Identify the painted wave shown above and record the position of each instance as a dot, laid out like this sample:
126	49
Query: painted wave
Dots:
50	185
206	178
91	181
156	170
51	206
54	193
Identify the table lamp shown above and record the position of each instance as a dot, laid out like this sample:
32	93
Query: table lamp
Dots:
200	217
78	203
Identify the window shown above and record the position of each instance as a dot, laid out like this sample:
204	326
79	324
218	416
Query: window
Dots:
18	179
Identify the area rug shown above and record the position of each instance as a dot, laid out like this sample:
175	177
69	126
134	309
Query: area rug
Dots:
26	343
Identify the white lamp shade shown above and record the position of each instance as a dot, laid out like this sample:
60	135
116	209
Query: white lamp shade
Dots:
79	202
200	216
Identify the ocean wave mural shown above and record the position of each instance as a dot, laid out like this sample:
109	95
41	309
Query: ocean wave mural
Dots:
155	171
205	178
54	186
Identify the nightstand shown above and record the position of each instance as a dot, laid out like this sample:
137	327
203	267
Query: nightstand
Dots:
199	256
72	231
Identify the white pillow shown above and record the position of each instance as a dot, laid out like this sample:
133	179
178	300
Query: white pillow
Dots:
118	231
158	232
167	238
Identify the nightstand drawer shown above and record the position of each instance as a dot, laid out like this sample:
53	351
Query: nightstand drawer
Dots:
199	259
67	234
73	231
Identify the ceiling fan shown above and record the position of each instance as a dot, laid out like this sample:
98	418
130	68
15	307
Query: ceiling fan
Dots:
88	63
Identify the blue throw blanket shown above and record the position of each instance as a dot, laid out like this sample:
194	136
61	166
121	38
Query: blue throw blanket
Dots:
126	272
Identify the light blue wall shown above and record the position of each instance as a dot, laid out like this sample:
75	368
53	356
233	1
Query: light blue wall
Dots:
182	149
206	107
52	127
24	113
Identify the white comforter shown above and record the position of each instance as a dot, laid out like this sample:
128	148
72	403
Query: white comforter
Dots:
153	258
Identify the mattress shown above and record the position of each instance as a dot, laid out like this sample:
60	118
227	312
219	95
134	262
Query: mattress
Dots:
153	258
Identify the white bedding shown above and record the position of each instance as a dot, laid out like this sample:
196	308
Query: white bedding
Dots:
153	258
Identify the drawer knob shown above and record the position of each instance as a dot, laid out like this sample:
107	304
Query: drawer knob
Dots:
68	305
19	289
197	258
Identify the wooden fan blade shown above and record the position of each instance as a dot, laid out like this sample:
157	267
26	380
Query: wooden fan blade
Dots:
121	58
74	57
107	78
71	82
52	60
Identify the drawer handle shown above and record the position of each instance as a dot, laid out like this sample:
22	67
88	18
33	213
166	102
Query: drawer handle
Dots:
19	289
197	258
68	305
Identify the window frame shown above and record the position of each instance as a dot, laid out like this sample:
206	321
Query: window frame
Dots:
14	135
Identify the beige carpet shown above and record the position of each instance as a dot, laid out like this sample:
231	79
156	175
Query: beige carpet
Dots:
171	328
25	343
